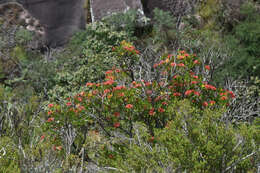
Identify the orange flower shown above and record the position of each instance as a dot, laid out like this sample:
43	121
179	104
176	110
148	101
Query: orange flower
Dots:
161	110
148	83
42	137
151	112
177	94
180	57
194	82
186	55
205	104
106	91
181	65
164	103
69	104
89	84
50	105
207	67
196	62
210	87
173	64
117	124
109	82
196	93
195	77
129	106
188	92
223	98
50	119
231	94
109	71
212	102
155	65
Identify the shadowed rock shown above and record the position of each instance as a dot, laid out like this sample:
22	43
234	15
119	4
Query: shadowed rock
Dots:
59	18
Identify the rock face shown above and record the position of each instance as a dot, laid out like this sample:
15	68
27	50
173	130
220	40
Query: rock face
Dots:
175	7
59	18
103	8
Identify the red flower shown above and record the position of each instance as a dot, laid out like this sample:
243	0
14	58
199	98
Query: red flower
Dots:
109	82
129	106
207	67
109	71
106	91
79	99
182	51
50	119
205	104
89	84
69	104
117	70
181	65
231	94
148	83
116	114
42	137
195	77
164	103
118	88
161	110
173	64
49	112
188	92
212	102
223	98
180	57
117	124
194	82
196	62
210	87
196	93
177	94
50	105
155	65
151	112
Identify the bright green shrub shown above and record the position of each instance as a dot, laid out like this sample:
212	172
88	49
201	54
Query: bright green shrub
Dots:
92	54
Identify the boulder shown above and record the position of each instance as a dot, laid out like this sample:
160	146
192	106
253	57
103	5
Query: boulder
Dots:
104	8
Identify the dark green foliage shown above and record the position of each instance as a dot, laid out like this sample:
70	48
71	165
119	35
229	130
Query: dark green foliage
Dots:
244	41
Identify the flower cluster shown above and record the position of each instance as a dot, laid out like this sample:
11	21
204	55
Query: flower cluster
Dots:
117	102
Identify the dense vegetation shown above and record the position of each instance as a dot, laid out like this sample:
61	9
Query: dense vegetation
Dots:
171	96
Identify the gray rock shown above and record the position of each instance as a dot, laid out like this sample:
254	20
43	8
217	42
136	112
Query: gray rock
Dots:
59	18
104	8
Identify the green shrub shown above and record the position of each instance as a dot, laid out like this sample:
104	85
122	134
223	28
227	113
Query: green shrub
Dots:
92	54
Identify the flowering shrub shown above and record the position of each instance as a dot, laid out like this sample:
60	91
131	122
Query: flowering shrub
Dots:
119	101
